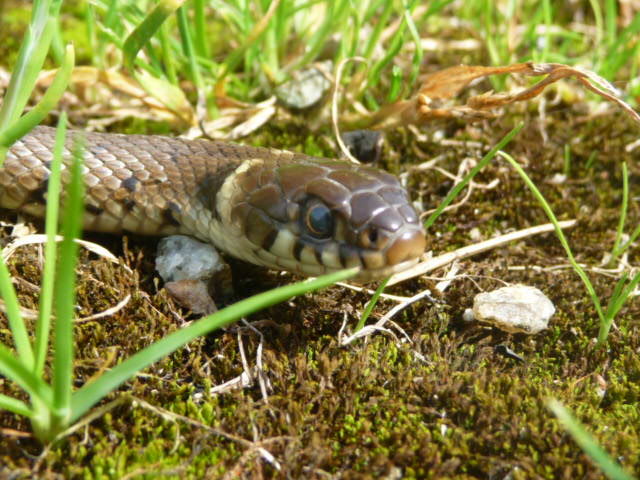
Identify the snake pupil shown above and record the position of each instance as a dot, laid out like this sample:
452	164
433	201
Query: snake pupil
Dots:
320	221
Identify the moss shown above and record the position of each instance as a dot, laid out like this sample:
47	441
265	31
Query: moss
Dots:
14	24
445	405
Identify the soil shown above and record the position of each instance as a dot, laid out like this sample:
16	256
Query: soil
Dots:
446	404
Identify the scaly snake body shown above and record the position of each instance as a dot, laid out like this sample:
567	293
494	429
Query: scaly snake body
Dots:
274	208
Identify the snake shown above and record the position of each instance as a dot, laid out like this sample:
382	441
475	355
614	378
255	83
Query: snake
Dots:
274	208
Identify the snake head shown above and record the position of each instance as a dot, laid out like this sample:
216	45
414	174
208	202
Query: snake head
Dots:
313	216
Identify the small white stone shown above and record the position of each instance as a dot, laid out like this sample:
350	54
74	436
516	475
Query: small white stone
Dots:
468	315
475	234
558	179
184	258
307	88
518	308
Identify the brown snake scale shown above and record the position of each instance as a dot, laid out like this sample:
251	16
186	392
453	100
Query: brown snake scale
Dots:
274	208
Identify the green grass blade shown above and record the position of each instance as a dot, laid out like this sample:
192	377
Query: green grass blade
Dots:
33	51
153	81
187	45
587	443
334	21
563	240
92	38
24	124
617	291
16	323
620	53
200	20
15	406
16	371
615	251
119	43
372	303
436	6
632	239
611	19
625	294
251	38
57	47
395	84
93	392
418	55
548	40
50	248
64	289
394	47
616	302
168	56
378	27
146	29
474	171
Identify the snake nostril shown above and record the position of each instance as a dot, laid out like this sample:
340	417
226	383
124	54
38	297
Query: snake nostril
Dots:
370	239
373	236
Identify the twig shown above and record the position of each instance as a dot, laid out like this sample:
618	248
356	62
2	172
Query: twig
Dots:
334	106
464	252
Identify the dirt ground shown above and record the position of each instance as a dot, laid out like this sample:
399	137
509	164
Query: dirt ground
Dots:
445	403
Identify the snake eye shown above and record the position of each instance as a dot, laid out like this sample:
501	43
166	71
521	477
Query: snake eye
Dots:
319	220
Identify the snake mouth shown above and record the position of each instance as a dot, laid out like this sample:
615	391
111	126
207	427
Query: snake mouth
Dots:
366	276
288	252
402	253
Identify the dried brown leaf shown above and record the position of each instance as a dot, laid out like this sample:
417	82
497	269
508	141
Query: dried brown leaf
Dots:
120	96
432	102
